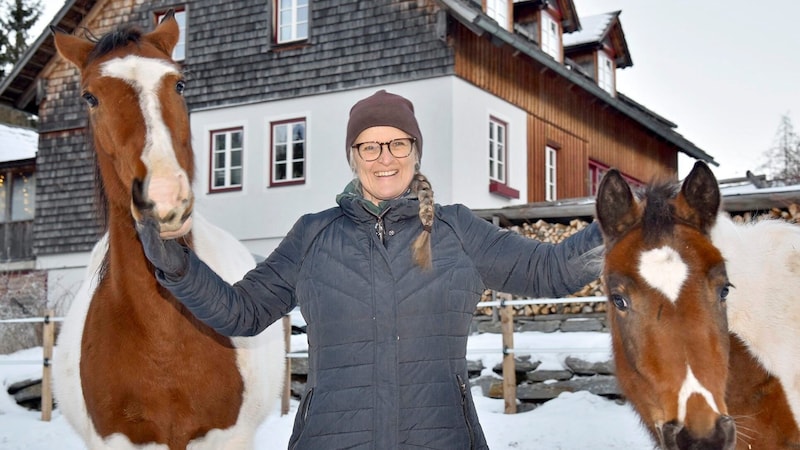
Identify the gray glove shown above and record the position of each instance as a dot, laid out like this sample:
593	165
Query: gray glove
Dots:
167	255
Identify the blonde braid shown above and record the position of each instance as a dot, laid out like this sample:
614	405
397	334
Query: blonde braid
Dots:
422	244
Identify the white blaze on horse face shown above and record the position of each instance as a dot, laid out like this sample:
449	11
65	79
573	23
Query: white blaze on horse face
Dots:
168	185
691	385
663	269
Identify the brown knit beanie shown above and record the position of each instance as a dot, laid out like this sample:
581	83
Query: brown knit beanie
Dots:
382	109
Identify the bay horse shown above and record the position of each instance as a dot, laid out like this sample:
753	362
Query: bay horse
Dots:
133	367
704	315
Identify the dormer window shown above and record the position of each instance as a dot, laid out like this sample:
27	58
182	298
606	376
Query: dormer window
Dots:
499	11
551	36
605	72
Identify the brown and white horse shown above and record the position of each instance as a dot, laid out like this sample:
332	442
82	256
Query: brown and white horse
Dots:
133	368
704	315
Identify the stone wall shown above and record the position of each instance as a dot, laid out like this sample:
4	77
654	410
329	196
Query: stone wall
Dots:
23	294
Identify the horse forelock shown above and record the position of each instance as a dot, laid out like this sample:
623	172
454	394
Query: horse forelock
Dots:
658	217
118	38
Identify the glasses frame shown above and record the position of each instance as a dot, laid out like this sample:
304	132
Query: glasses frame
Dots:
388	145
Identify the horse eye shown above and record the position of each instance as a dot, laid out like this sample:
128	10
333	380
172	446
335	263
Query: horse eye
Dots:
724	291
90	99
620	302
180	86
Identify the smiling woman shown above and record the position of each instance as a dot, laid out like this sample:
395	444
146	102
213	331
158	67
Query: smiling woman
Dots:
387	283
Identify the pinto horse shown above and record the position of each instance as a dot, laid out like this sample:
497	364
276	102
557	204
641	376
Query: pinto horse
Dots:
703	314
133	367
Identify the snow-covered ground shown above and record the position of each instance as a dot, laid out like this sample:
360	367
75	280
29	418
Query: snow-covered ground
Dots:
573	421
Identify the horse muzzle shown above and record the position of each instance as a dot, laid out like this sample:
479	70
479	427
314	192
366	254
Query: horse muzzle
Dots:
675	436
170	204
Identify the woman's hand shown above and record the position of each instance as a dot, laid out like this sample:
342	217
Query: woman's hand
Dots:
167	255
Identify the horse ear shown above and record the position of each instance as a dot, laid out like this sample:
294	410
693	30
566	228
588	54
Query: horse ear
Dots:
72	48
700	192
616	209
166	34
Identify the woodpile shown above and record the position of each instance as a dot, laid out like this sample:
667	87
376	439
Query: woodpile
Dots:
552	233
557	232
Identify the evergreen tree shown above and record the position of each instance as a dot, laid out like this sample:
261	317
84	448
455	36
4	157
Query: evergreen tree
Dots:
18	17
782	159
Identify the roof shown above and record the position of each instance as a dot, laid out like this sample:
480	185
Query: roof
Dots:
598	30
480	24
18	143
20	89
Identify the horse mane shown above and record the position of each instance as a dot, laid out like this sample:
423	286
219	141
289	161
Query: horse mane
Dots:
658	218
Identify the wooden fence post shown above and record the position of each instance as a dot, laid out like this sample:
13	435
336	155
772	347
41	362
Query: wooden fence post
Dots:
509	367
287	377
48	338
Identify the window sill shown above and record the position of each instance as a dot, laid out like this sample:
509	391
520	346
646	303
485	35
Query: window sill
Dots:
503	190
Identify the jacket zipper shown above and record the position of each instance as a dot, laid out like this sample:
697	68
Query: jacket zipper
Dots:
465	408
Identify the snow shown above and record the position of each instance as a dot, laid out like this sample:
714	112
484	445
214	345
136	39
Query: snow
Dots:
572	421
17	143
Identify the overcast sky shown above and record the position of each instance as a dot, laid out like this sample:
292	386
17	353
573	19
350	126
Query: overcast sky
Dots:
724	71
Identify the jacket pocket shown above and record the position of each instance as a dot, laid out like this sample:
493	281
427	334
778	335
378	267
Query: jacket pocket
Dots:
466	409
301	419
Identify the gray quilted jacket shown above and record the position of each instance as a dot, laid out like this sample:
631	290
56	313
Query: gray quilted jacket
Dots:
387	340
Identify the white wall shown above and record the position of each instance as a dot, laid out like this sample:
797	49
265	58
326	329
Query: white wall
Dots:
453	117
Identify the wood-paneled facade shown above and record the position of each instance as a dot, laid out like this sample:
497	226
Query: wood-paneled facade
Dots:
561	115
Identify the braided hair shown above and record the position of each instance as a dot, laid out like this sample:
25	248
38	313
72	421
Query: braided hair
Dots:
421	247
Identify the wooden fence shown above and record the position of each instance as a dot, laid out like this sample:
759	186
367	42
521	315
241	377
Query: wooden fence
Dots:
505	310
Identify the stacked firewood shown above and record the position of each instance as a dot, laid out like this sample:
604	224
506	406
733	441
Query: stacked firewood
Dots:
790	214
557	232
552	233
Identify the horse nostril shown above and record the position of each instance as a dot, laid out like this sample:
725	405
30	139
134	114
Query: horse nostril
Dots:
138	197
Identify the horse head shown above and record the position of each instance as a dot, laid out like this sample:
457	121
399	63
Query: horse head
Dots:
139	121
666	285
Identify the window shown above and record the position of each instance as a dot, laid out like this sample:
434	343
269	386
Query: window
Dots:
179	52
605	72
498	159
17	196
288	152
497	150
550	173
291	20
498	10
17	209
551	36
598	170
596	173
227	151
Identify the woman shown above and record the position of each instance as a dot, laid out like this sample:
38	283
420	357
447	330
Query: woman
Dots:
388	284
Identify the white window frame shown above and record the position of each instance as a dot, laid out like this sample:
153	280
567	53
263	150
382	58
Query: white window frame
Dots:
291	20
290	159
498	10
605	72
551	36
179	52
227	166
498	150
550	173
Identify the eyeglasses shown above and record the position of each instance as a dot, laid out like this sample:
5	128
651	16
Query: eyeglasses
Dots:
399	148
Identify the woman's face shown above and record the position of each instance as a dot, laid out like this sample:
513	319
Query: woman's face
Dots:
387	177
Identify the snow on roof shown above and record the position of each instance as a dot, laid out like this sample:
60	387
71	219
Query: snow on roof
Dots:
17	143
593	28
